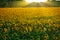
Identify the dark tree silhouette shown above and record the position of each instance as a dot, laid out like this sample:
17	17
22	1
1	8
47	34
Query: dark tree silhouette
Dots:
4	3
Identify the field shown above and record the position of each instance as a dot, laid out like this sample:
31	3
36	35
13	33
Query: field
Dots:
42	23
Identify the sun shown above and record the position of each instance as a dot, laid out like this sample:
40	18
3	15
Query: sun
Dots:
30	1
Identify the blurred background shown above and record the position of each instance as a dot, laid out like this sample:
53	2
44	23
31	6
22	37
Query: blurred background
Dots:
23	3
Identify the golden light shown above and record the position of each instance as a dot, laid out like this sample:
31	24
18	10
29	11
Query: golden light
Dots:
30	1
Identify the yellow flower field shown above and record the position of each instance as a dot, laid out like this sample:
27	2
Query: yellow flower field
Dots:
32	23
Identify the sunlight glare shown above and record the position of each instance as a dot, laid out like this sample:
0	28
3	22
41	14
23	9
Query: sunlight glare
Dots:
30	1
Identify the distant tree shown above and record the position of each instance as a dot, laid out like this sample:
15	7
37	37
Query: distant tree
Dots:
4	3
53	0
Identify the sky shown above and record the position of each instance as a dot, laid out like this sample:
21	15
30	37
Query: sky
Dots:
22	3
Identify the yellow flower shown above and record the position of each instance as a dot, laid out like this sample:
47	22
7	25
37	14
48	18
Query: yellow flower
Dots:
30	28
49	29
1	25
26	29
5	29
46	37
45	29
